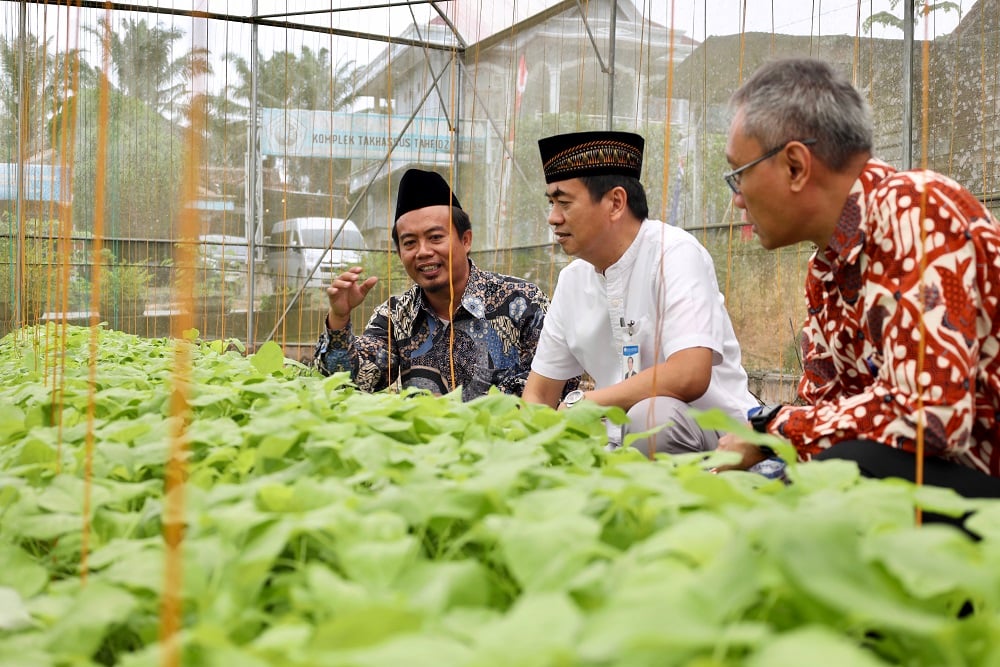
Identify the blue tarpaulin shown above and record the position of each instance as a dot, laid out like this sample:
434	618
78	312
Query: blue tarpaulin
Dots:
42	183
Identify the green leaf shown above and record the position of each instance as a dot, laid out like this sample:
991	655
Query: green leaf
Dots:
366	626
812	646
13	614
276	445
545	555
11	422
985	522
46	526
128	431
717	420
34	451
933	560
65	495
802	547
18	571
138	571
411	650
942	500
95	608
269	358
541	629
278	639
378	563
437	587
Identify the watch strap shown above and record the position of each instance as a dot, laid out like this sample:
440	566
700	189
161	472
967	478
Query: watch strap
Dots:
761	416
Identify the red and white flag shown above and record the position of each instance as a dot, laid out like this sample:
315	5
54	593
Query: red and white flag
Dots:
522	81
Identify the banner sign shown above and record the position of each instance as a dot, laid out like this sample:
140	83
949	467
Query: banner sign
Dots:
365	136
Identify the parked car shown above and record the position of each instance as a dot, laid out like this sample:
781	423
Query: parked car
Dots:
225	254
298	245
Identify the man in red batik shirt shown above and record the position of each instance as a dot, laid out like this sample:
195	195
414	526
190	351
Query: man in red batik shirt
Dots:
903	325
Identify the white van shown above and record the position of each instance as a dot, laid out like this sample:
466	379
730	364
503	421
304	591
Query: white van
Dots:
297	245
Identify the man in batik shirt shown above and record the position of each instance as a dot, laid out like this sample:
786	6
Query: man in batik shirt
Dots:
902	339
457	326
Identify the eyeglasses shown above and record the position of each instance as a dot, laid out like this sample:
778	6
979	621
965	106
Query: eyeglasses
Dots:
733	177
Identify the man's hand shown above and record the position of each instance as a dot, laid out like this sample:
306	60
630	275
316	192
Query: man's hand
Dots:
751	453
346	294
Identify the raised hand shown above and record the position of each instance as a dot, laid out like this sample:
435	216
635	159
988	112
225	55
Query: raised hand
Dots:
346	293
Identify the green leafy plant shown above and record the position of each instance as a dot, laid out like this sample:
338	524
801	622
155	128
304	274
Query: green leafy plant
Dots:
40	259
124	285
323	525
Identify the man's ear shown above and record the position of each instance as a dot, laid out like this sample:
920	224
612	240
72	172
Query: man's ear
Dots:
467	239
619	201
798	159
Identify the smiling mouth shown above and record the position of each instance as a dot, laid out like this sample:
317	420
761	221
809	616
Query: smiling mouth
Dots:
429	268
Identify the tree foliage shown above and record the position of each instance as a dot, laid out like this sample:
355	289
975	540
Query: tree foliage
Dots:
920	8
142	173
141	57
48	78
308	80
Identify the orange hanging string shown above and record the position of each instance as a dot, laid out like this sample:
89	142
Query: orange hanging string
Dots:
661	287
451	225
921	325
180	411
101	159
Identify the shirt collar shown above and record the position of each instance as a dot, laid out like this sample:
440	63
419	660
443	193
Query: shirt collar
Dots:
849	235
628	258
475	291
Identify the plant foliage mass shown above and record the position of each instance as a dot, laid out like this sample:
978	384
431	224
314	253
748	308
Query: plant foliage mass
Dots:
325	526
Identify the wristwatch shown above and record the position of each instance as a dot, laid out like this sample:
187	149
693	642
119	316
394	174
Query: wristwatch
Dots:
762	416
572	398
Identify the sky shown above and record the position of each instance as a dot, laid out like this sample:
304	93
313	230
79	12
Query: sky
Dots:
724	17
795	17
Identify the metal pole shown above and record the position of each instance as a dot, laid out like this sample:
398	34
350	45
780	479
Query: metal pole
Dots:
611	64
253	176
457	112
907	147
22	156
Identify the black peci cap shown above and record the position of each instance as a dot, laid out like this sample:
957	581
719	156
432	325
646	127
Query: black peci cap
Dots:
419	189
566	156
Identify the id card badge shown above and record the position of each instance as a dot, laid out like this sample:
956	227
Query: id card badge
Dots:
630	361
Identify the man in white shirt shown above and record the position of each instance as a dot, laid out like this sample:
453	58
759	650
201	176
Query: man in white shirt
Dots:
639	289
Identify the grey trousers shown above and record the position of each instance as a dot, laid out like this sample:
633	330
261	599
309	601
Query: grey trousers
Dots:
682	435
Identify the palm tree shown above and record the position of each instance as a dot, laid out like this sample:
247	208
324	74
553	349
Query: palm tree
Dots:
142	64
49	78
309	80
920	8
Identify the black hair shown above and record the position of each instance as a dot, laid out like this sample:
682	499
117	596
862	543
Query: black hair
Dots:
598	186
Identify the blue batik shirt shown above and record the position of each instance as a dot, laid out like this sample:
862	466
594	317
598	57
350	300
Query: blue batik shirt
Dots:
496	329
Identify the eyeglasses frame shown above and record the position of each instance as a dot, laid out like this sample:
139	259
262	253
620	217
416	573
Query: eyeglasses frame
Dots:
732	177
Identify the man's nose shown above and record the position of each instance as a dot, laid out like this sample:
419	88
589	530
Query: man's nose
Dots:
739	202
423	247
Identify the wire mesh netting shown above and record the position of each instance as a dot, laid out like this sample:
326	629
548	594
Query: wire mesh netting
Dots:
173	166
222	161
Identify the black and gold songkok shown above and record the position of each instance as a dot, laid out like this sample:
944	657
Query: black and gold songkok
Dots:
566	156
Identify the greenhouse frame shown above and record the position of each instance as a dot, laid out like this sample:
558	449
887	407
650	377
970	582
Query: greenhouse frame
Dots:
180	180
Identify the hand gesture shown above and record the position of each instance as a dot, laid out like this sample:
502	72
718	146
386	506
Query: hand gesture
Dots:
750	454
346	294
